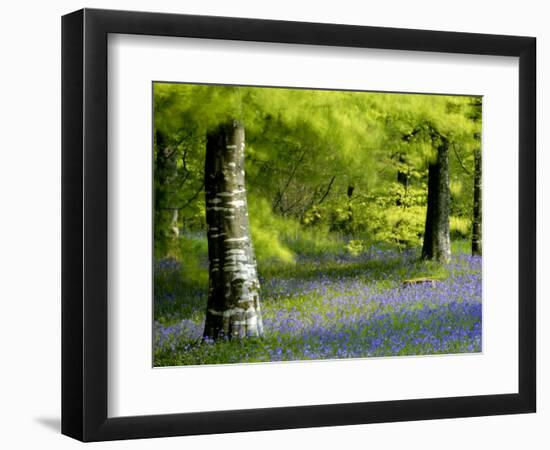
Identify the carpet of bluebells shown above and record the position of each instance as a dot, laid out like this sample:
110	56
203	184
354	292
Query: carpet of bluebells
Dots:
328	308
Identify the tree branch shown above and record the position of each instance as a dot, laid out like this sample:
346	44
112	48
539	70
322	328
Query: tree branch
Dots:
282	193
327	191
460	160
188	202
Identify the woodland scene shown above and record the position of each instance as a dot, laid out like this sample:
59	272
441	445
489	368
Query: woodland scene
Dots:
305	224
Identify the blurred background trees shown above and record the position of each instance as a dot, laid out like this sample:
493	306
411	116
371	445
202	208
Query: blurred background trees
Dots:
323	168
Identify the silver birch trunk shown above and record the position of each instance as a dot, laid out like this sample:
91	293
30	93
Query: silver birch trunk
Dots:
233	309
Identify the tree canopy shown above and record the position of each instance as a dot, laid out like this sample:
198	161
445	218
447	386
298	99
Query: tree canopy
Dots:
353	163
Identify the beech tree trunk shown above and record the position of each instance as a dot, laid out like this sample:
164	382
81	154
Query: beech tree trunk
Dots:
233	309
437	241
166	216
476	219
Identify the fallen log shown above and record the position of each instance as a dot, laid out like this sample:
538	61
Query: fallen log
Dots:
424	280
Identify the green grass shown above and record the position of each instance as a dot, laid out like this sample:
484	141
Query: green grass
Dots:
187	291
329	306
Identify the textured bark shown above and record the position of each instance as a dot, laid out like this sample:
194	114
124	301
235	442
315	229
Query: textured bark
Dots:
476	219
437	241
233	309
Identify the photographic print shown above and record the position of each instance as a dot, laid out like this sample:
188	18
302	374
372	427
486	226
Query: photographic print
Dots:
295	224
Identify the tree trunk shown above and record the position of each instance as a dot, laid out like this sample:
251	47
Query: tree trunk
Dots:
233	309
351	189
403	178
476	219
437	241
166	216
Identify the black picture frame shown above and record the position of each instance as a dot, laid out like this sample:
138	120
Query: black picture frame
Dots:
84	224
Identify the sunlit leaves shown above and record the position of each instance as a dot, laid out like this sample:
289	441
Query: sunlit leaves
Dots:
305	143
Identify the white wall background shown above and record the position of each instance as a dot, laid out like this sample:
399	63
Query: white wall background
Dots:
30	226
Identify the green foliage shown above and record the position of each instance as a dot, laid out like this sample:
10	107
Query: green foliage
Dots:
356	246
460	227
337	190
193	256
402	227
268	233
305	149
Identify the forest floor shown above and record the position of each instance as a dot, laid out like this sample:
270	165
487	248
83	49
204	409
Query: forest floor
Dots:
332	306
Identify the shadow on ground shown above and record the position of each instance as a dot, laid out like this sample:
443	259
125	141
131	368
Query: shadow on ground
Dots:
52	423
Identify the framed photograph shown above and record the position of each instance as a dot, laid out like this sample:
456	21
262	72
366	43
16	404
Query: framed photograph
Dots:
272	224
